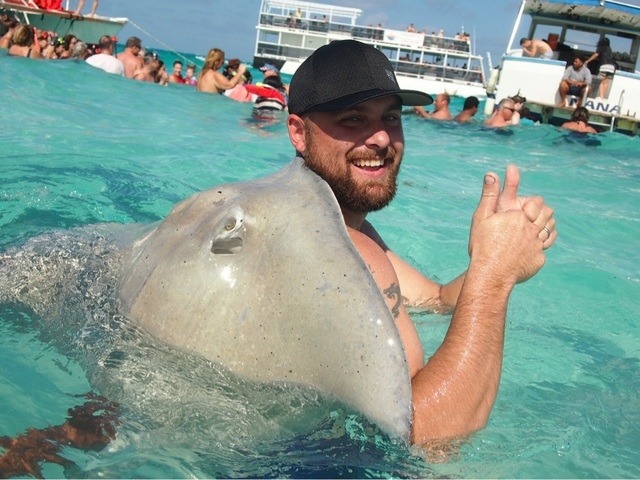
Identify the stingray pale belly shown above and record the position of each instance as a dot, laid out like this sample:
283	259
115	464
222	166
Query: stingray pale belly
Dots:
263	278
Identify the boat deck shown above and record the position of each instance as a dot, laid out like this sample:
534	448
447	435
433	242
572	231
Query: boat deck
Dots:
558	114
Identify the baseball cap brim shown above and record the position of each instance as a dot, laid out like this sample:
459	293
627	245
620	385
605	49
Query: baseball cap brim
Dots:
409	98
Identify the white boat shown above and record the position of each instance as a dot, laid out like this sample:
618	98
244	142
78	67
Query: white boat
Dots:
574	28
62	22
289	31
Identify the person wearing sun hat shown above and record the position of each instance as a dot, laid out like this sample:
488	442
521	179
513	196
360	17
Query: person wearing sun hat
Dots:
345	121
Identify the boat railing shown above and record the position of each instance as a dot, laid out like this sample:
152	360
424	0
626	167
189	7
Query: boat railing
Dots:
313	24
445	43
444	72
356	31
283	51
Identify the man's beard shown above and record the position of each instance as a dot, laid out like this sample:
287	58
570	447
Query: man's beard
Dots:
358	197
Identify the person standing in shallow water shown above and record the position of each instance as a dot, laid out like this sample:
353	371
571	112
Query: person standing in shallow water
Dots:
345	122
503	115
469	109
24	43
130	56
211	80
441	105
579	122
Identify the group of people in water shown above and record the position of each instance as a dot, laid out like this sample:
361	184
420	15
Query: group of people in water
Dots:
510	111
232	78
235	81
24	40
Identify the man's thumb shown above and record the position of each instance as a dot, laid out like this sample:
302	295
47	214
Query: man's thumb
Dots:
490	194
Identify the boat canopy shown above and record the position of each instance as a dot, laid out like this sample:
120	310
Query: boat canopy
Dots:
284	7
598	12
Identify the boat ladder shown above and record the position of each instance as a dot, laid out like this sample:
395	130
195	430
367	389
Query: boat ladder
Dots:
617	113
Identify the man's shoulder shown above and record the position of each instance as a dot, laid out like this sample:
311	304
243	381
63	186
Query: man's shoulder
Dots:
95	59
367	229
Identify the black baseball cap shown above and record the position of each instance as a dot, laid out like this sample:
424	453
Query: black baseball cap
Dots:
344	73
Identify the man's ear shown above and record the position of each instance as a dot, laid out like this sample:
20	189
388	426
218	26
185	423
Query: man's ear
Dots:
295	125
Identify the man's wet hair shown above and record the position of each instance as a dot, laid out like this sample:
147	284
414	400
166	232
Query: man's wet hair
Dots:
580	114
470	102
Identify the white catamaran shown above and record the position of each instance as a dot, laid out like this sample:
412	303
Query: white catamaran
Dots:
289	31
574	28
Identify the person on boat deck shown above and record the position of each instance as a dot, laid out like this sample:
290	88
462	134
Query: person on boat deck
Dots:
211	80
503	115
93	8
176	73
536	48
150	67
579	122
469	109
606	65
131	57
49	4
575	81
105	59
24	43
350	134
441	105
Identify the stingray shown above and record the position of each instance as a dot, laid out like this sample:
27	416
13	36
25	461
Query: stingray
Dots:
260	277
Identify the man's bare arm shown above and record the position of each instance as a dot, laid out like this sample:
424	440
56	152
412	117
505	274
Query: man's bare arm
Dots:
418	290
454	393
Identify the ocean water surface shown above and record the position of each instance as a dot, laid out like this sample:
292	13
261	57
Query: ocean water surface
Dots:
79	147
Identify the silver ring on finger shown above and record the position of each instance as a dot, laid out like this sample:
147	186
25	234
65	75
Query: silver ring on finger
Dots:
548	233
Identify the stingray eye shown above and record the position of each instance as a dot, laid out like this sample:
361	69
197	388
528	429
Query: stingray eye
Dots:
229	239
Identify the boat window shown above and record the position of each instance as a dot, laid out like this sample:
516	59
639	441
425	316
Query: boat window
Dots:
391	53
268	37
580	40
405	56
545	32
623	52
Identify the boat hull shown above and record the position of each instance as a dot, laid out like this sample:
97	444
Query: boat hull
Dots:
88	29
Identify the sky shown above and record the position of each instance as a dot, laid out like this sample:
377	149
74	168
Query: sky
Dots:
195	26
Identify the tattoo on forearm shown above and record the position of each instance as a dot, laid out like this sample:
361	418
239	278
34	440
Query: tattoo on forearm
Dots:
393	292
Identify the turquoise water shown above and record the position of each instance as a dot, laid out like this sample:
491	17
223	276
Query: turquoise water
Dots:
79	147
